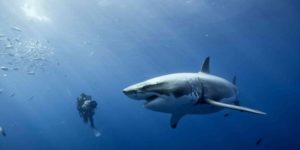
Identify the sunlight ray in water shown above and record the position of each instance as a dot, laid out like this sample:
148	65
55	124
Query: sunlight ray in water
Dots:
30	9
145	68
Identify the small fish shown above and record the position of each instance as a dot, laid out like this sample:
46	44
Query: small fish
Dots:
38	59
30	98
15	69
17	29
11	54
12	94
2	132
9	46
4	68
31	73
92	53
258	142
85	42
226	115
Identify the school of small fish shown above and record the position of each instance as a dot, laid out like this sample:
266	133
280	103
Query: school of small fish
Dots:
17	52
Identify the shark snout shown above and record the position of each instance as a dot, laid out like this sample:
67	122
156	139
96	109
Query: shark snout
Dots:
132	90
136	92
129	91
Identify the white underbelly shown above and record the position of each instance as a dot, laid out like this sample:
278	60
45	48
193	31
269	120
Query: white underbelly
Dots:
170	105
184	105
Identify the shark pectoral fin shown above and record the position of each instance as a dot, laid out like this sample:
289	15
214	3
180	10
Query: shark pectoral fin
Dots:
201	100
175	119
240	108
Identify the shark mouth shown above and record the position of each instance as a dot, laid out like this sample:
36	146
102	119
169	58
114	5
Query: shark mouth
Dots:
150	99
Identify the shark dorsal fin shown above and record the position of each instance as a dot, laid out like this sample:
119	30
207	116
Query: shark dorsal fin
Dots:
234	80
205	65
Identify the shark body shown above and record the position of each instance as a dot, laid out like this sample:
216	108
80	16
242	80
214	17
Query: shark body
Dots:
180	94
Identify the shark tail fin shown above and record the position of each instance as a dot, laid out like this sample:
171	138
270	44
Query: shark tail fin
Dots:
205	65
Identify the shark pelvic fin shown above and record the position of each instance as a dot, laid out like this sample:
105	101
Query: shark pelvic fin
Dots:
205	65
175	118
234	107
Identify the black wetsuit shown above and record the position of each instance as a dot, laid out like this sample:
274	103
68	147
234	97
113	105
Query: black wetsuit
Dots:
86	108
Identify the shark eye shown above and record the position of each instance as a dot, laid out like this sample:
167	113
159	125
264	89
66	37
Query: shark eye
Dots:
146	87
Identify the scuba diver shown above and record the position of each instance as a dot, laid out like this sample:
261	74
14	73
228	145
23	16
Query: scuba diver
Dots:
86	107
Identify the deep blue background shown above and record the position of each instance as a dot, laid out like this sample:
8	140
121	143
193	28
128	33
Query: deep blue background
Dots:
103	46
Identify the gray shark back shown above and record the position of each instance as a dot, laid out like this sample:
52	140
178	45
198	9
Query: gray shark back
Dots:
194	84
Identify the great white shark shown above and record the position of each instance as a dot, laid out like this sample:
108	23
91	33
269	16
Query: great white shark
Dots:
188	93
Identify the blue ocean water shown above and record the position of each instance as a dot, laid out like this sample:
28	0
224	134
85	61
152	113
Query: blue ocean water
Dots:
55	50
